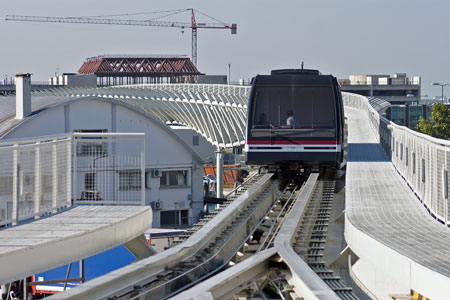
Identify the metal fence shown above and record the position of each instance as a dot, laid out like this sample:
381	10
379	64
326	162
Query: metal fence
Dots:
44	175
232	90
423	161
109	168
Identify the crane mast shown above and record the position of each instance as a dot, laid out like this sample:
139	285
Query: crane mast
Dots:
108	21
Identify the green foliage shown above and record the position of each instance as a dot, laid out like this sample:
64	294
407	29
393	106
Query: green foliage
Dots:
439	124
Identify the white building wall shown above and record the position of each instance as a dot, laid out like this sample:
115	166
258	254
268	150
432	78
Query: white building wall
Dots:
204	148
164	149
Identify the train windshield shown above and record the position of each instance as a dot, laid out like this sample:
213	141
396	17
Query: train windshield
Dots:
293	112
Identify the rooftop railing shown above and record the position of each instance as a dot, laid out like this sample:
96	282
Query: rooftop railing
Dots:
40	176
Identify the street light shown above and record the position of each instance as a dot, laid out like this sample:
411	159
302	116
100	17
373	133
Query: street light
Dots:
442	85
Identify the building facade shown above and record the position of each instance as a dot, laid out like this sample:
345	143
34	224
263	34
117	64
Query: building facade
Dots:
173	181
396	89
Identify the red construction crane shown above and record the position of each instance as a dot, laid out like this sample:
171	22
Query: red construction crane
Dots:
101	20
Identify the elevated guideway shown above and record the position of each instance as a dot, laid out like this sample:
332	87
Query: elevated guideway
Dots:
283	262
158	276
70	236
395	192
399	245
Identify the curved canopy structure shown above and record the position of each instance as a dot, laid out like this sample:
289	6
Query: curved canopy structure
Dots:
217	112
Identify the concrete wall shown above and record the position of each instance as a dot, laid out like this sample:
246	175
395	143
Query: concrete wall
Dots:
164	149
204	148
73	80
384	271
212	79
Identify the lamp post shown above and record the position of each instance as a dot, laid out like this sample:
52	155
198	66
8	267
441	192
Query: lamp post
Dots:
442	86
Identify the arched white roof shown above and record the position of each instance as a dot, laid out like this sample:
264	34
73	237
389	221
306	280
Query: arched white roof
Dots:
217	112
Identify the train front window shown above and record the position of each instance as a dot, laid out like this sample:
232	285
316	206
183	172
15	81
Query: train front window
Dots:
294	112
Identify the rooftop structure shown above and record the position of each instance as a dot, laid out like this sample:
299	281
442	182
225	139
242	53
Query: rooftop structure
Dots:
126	69
398	89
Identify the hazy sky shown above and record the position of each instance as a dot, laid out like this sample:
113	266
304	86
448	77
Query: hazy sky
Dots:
338	37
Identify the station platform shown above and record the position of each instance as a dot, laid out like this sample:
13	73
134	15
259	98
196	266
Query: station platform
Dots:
399	245
69	236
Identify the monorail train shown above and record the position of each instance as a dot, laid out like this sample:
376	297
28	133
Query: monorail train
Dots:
295	118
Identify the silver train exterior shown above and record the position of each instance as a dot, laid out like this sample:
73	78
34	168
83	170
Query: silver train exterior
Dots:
295	117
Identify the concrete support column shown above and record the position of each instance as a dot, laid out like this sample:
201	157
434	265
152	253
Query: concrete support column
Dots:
81	269
25	289
219	174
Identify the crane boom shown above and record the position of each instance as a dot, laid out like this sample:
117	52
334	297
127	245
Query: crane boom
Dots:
82	20
107	21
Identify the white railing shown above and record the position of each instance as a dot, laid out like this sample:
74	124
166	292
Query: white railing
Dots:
44	175
35	177
423	161
232	90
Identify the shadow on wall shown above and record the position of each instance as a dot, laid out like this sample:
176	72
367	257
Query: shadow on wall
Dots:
365	153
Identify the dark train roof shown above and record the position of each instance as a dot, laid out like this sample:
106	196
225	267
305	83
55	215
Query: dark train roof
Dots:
295	72
293	77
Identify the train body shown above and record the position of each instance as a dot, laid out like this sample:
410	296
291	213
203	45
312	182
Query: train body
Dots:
295	117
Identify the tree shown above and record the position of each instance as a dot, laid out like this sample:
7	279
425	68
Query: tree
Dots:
439	124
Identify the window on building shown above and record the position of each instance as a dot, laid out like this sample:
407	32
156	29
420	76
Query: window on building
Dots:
184	217
47	183
6	185
89	181
195	140
130	180
174	178
174	218
169	218
413	158
90	146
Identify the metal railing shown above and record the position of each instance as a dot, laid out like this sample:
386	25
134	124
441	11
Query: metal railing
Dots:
233	90
423	161
44	175
35	177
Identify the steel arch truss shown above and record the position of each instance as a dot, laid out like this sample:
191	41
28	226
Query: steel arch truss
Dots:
217	112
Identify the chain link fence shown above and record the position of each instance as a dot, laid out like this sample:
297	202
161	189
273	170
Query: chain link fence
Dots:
45	175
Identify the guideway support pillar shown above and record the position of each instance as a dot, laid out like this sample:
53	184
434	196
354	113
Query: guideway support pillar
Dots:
219	174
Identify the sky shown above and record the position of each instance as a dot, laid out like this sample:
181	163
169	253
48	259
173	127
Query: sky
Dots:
336	37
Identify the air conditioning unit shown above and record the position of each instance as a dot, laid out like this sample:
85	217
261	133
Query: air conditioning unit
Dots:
156	205
156	173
